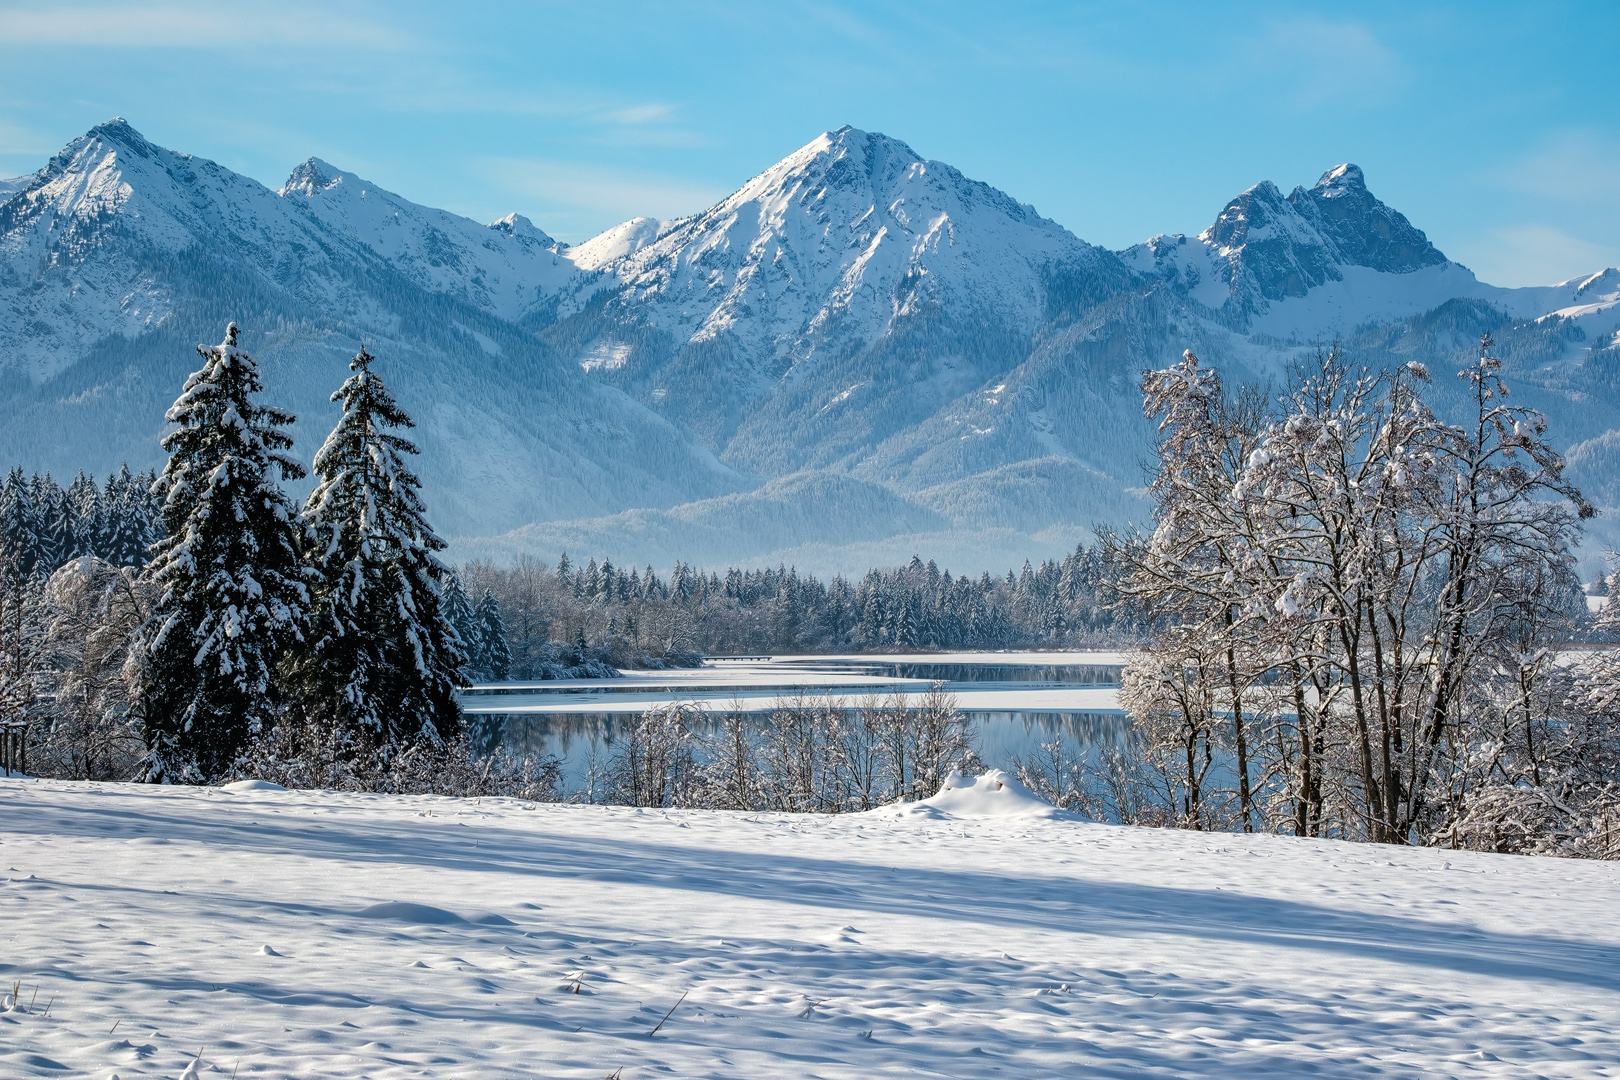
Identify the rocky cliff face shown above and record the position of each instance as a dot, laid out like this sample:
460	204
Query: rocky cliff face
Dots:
1265	248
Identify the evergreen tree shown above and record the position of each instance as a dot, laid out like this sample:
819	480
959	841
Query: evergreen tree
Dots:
59	531
384	658
19	522
459	610
126	528
232	588
85	500
23	652
492	647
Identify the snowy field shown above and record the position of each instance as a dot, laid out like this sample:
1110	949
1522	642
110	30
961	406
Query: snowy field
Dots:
309	934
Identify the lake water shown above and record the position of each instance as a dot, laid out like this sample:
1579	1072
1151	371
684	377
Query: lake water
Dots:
1016	701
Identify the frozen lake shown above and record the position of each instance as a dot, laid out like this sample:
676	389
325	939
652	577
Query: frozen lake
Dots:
1016	700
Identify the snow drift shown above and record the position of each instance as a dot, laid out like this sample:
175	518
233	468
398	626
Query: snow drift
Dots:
992	794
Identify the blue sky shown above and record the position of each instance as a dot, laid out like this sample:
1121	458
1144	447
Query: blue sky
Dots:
1494	127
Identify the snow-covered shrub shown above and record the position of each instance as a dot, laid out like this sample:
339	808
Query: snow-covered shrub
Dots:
309	753
88	732
656	763
1543	775
809	754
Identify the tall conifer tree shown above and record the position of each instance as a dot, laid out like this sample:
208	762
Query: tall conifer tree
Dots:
233	594
59	525
458	609
384	658
123	534
85	499
19	521
495	654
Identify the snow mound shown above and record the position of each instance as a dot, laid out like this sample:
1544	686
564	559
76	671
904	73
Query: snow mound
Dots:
425	915
992	794
403	911
252	785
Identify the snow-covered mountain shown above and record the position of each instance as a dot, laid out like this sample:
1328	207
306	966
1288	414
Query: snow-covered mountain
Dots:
623	239
508	267
859	350
843	295
1331	259
119	256
79	244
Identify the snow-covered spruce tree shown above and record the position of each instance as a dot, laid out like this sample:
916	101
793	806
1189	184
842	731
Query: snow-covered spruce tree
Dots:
383	659
232	590
495	656
459	610
20	525
124	527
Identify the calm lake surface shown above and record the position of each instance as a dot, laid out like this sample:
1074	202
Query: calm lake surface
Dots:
1016	701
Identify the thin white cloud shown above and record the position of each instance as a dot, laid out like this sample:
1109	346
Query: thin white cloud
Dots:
650	113
19	141
1576	166
585	199
1313	62
1536	255
225	28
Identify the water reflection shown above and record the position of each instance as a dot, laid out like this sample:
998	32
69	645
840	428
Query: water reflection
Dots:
1016	701
586	741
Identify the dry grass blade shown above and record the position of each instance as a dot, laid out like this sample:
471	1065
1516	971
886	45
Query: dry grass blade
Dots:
669	1014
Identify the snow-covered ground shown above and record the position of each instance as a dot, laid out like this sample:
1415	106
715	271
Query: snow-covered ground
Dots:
310	934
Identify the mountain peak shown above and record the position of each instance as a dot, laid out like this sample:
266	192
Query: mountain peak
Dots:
311	176
116	133
625	238
1361	230
1264	247
117	130
517	225
1344	177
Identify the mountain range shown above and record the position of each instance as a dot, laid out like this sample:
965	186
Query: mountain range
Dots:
857	355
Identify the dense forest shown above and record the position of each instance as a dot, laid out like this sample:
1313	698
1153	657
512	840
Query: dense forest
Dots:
552	617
